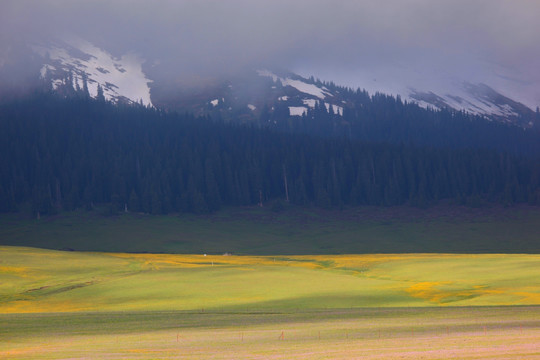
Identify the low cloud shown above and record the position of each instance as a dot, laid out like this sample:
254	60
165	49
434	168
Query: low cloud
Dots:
344	39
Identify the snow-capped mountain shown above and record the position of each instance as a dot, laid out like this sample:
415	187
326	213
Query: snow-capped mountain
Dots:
304	91
83	64
246	95
476	99
468	82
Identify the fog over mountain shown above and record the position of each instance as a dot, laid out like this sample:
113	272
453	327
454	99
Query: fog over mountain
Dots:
392	46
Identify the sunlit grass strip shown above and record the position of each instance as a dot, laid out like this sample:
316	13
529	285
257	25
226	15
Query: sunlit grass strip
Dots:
34	280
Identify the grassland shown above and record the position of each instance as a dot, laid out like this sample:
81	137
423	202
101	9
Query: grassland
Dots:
34	280
66	305
118	305
260	231
421	333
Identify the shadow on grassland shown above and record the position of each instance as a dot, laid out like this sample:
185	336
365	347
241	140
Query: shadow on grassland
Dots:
256	231
391	319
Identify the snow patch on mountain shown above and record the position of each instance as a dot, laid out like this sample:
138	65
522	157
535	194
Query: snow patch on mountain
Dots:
297	110
120	78
477	99
306	88
310	102
335	108
299	85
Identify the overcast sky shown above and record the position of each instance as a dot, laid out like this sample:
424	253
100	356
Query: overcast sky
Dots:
351	42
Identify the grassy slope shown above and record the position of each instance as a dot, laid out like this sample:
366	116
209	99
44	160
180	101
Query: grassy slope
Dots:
433	333
293	231
33	280
248	301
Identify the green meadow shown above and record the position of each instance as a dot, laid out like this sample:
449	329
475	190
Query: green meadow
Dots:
65	305
261	231
35	280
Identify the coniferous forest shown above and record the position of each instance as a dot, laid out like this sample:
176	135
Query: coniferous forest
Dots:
62	153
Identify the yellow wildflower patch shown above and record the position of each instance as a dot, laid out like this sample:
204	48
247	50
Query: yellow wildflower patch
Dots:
427	290
14	270
529	297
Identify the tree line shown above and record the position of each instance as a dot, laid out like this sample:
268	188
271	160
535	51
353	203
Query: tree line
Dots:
63	153
385	118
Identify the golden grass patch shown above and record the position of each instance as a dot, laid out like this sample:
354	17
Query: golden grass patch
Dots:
14	270
71	281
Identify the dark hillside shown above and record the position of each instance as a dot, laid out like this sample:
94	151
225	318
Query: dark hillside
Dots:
66	153
384	118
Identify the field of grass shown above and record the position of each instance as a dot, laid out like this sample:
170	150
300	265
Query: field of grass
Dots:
35	280
74	305
441	229
390	333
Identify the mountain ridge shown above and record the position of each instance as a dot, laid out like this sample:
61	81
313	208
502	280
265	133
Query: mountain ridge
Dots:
127	78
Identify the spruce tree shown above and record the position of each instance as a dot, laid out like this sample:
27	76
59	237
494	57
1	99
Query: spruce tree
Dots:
100	96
